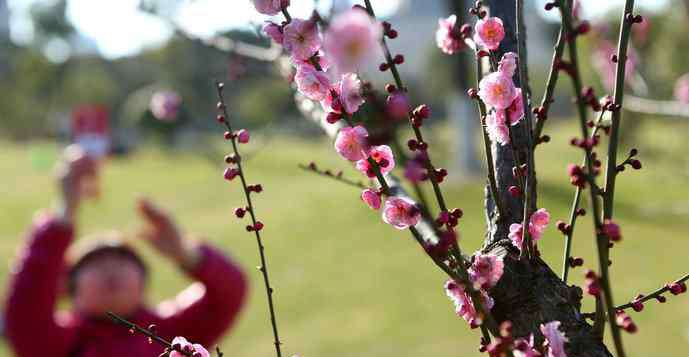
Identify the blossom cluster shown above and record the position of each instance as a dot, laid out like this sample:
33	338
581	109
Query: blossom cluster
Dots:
497	90
325	66
181	347
537	224
464	305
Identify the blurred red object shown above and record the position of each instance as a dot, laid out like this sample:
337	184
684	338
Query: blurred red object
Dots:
90	129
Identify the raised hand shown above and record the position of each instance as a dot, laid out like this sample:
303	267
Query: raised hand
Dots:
162	233
74	174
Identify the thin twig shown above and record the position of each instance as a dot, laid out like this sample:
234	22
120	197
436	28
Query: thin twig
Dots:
247	194
151	335
461	274
611	169
337	177
573	213
601	239
417	132
653	294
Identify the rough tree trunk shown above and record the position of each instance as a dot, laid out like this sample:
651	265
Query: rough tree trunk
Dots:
529	292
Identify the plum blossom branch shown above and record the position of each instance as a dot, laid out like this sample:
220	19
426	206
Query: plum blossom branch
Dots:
628	19
424	232
568	229
301	39
178	345
602	239
677	287
134	328
392	65
256	226
311	167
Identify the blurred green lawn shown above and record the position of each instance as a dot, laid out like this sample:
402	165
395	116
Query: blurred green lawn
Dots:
347	284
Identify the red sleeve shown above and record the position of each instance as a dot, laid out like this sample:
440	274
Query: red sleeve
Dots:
203	312
33	290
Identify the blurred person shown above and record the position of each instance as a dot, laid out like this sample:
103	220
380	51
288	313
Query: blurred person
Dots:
108	275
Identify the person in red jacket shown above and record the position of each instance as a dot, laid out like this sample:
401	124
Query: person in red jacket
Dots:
110	276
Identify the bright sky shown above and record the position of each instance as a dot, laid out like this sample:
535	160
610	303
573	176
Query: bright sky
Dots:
118	28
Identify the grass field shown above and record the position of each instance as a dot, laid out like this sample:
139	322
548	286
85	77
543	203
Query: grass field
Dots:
347	284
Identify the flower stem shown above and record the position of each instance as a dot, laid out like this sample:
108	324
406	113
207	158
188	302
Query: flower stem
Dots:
151	335
247	194
573	213
611	166
337	177
654	294
601	239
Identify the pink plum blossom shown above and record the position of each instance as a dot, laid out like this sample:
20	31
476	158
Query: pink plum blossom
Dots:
516	109
318	57
448	40
182	344
382	155
165	105
489	32
464	305
352	143
555	339
301	39
270	7
486	270
682	88
329	100
243	136
397	105
401	212
274	31
350	92
497	129
371	198
312	83
497	90
352	40
508	64
607	69
516	235
537	223
525	348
